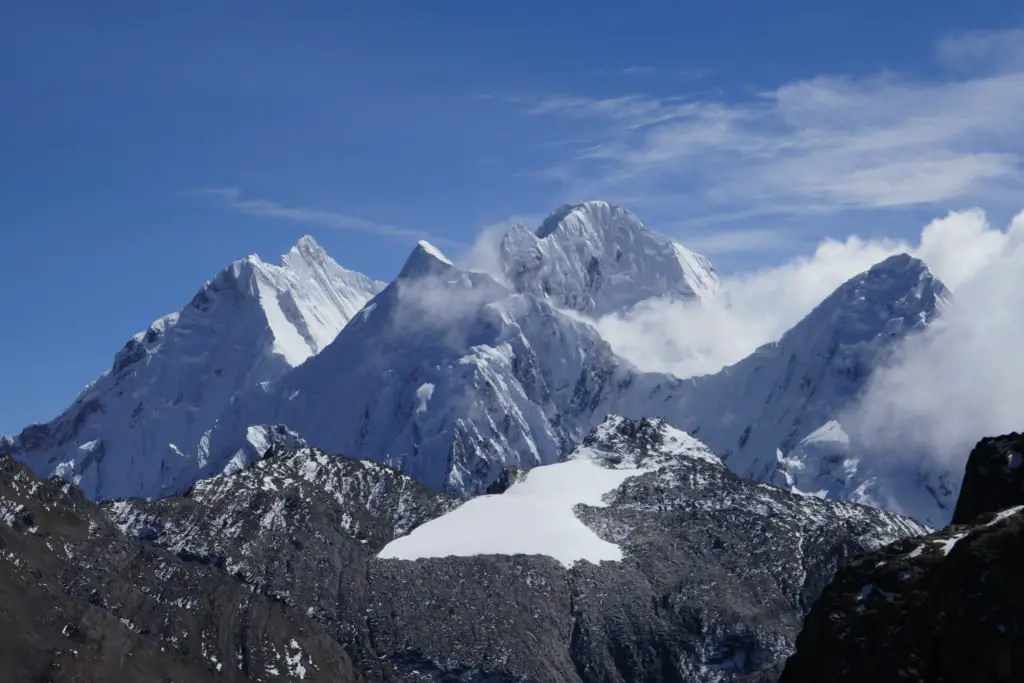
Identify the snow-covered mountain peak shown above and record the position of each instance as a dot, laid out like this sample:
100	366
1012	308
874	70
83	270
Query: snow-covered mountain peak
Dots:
306	253
776	416
142	427
449	376
581	217
598	258
900	293
425	259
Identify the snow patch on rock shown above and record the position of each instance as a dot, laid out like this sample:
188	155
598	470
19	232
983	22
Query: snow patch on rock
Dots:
533	517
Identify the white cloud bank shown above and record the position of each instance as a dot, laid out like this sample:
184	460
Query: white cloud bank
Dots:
964	378
959	381
689	340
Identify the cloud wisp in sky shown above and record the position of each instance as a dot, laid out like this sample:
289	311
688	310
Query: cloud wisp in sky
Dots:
233	199
820	145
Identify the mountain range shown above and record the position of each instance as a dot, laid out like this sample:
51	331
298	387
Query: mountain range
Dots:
313	566
305	474
453	376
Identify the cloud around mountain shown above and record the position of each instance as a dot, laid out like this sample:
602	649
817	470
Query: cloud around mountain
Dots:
688	340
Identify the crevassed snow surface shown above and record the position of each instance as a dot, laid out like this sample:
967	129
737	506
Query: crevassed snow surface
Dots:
533	517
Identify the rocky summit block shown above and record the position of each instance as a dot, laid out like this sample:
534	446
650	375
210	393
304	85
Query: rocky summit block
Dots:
945	607
994	479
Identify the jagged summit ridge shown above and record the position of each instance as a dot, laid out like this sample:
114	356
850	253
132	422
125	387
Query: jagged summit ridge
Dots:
142	427
598	258
454	377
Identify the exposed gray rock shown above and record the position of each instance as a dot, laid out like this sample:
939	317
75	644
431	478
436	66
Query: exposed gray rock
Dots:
299	527
946	607
943	607
81	601
717	575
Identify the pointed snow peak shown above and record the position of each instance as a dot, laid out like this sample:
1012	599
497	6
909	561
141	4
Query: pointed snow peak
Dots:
307	243
239	275
554	220
888	300
308	248
307	254
425	259
899	282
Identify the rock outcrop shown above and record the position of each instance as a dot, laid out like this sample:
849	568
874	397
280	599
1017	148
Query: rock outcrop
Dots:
994	478
943	607
82	601
717	572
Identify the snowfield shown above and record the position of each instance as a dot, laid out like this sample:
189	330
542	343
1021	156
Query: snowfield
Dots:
533	517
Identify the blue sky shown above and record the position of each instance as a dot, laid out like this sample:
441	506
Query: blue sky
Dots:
143	146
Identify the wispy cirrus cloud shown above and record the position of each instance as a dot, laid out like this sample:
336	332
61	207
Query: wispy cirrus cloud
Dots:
233	199
831	143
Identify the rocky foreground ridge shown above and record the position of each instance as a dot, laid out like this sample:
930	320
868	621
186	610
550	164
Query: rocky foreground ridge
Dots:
942	607
275	566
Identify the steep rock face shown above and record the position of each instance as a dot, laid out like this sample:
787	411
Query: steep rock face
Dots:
943	607
775	416
716	574
946	607
142	428
79	601
994	479
598	258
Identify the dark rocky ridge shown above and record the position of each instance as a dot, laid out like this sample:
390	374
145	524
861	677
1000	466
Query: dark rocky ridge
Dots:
81	601
297	526
717	576
945	607
994	478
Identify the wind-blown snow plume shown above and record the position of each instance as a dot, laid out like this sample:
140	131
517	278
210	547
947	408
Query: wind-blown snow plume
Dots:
687	339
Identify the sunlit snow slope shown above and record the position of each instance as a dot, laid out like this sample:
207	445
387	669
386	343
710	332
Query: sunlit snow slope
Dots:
141	428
